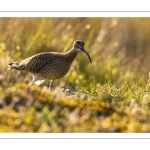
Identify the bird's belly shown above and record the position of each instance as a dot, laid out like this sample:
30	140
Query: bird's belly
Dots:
54	72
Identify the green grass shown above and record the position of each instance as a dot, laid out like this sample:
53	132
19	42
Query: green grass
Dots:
110	95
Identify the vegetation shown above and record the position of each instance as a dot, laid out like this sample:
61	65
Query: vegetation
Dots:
109	95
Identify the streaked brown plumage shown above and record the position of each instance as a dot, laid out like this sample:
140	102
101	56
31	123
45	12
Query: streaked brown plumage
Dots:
49	65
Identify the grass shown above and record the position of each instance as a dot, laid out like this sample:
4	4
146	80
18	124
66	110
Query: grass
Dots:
110	95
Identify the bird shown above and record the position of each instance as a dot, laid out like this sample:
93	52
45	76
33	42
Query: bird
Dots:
50	65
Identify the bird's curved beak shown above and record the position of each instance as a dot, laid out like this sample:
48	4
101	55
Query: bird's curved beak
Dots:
87	54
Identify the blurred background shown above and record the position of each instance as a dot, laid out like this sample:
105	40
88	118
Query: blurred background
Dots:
119	48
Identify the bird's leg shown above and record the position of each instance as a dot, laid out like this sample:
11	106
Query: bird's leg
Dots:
35	78
51	84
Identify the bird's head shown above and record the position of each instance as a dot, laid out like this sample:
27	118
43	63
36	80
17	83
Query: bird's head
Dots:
78	45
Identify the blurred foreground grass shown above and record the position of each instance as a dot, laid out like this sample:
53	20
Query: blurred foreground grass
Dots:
109	95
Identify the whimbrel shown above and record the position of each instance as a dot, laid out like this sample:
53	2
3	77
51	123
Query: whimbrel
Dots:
49	65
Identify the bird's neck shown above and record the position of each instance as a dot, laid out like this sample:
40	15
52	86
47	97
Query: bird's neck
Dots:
71	55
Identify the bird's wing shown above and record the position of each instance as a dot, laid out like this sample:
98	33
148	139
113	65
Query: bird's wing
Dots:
35	63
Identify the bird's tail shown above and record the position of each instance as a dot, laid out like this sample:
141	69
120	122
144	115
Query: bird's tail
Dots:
14	65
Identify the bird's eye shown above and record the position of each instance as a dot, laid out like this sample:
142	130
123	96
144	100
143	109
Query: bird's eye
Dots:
77	46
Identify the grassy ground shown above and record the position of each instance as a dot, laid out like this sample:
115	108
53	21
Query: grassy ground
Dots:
109	95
